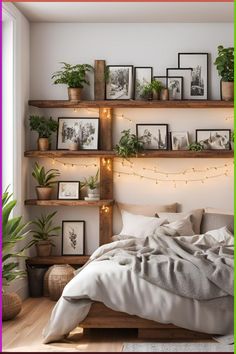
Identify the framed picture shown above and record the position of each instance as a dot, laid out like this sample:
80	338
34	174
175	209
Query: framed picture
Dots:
142	76
162	79
175	87
179	140
214	139
73	238
186	74
155	136
68	190
85	131
198	62
119	84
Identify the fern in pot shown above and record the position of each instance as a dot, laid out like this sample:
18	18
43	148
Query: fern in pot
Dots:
44	127
225	67
152	90
75	77
45	180
92	184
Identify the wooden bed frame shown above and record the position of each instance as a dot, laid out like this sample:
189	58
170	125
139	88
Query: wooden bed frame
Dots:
101	316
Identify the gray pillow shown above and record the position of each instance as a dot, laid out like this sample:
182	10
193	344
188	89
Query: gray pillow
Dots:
213	221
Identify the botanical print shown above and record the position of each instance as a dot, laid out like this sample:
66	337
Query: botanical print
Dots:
68	190
175	87
179	140
81	130
214	139
119	82
143	77
73	237
154	136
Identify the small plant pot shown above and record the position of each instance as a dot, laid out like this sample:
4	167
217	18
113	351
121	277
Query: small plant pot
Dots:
43	144
227	91
73	146
155	95
11	306
44	193
164	94
44	249
74	94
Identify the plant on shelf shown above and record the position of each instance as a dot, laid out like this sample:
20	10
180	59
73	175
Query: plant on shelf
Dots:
45	180
225	66
129	145
42	233
152	90
44	127
232	138
74	76
195	147
92	184
13	232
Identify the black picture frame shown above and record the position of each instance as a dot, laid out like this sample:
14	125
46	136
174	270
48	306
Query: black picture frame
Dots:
135	76
182	87
197	97
185	84
58	190
63	235
79	118
154	125
131	82
216	130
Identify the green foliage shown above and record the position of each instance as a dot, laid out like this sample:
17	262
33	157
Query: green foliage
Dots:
148	89
225	63
91	182
13	231
44	229
195	147
72	75
43	126
43	178
129	144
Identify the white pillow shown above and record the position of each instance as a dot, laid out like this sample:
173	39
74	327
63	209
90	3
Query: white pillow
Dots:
222	235
139	225
182	227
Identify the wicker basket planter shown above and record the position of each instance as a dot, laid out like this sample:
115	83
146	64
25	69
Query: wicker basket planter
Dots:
11	306
58	277
45	282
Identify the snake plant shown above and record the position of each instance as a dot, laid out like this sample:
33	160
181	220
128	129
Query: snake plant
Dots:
45	179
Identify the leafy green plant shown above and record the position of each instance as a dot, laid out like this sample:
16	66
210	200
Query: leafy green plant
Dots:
154	86
44	229
129	144
195	147
72	75
43	178
43	126
13	231
225	63
91	182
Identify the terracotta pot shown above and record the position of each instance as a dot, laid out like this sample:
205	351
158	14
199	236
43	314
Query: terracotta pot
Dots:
44	249
74	94
11	306
43	193
227	91
43	144
73	146
164	94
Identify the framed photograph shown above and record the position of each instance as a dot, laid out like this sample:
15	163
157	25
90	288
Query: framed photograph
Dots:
68	190
198	62
85	131
162	79
155	136
186	74
119	84
214	139
175	87
73	238
142	76
179	140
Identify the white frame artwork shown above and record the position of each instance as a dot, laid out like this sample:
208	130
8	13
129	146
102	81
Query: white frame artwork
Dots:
179	135
68	190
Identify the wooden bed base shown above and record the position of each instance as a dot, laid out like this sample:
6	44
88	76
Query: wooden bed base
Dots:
101	316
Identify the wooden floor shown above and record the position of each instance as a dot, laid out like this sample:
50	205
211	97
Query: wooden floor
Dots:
23	334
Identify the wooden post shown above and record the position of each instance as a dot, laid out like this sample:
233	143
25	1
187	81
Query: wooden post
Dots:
99	80
105	128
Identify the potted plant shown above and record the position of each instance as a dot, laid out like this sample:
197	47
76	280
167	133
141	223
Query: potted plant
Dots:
44	127
232	139
45	181
74	76
13	231
92	184
129	145
152	90
195	147
42	233
225	66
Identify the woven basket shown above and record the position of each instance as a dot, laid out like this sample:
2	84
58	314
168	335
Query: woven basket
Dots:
45	282
11	306
58	277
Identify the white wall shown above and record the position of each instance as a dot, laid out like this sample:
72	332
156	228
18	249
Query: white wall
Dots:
154	45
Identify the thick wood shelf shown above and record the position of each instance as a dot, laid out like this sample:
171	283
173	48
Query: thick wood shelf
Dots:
72	260
55	202
146	154
132	104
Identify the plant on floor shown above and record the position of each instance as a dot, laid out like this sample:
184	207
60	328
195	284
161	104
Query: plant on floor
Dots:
44	127
42	233
129	144
195	147
225	67
152	90
74	76
45	180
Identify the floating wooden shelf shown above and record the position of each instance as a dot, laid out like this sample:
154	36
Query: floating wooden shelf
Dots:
55	202
72	260
146	154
